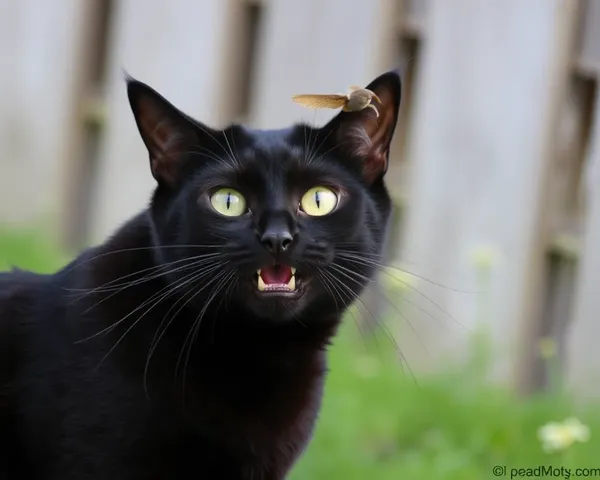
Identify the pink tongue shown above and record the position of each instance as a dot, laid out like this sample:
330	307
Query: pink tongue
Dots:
277	274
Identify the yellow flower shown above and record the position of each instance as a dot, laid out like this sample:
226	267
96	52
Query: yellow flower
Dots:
557	436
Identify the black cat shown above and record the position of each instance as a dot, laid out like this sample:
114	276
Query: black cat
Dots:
192	343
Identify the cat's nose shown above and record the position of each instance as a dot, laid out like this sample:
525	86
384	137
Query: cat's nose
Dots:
276	241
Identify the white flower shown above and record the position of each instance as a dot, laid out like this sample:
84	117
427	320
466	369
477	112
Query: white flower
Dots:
561	435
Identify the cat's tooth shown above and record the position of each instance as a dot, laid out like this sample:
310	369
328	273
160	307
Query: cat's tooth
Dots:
293	270
261	284
292	283
258	272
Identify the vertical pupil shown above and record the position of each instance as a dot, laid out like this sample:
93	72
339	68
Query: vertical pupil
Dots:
228	201
318	199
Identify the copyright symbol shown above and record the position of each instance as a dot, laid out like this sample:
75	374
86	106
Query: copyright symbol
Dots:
499	471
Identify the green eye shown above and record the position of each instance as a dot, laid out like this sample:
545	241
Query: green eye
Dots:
228	202
318	201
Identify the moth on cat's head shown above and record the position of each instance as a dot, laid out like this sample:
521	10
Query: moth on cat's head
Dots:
294	219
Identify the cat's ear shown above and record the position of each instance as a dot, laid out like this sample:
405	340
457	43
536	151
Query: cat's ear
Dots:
364	135
167	132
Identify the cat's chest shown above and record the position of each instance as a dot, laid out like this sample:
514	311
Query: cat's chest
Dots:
231	399
241	418
237	421
265	399
247	396
229	380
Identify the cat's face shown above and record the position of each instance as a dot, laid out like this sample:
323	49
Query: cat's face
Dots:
284	223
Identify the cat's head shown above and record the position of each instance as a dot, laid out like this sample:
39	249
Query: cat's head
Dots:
280	223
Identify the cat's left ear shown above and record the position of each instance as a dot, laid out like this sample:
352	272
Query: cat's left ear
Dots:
167	132
364	135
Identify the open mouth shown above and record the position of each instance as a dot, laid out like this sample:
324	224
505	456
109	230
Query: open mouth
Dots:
276	279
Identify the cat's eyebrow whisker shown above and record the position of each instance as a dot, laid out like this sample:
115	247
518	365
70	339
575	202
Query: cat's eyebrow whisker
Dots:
217	142
304	129
324	153
313	149
309	143
316	150
317	132
312	141
235	148
205	152
232	155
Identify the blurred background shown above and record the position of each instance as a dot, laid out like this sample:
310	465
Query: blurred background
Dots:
485	325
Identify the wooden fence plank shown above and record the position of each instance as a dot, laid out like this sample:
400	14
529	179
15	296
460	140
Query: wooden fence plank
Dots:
316	46
583	360
588	56
40	48
181	49
485	109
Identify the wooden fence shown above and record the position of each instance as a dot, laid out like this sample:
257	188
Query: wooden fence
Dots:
495	166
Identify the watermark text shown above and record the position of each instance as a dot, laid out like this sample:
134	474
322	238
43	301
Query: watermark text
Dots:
544	471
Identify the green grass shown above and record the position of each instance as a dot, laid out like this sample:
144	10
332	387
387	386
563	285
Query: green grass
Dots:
25	249
380	423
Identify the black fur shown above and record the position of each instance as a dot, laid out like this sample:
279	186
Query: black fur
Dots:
233	386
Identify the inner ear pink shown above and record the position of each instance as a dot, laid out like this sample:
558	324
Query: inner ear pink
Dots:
375	164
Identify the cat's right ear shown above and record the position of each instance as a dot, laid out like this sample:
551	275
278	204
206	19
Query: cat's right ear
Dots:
167	132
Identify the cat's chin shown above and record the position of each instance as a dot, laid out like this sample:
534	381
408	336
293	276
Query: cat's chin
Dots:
276	307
